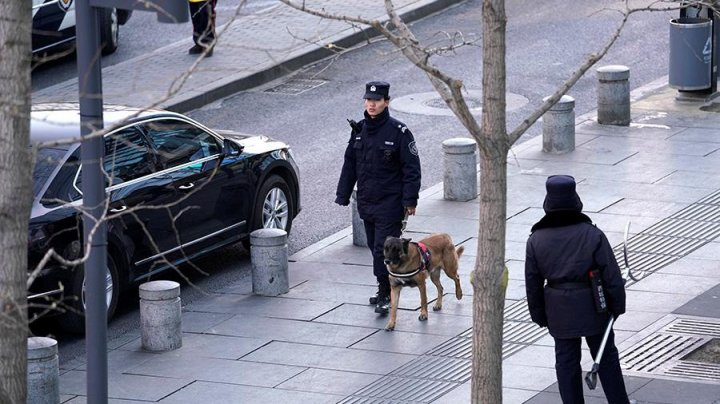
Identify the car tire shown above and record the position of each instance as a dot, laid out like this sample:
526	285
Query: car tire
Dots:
73	320
274	207
109	31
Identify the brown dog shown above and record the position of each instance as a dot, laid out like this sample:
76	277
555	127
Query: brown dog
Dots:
404	261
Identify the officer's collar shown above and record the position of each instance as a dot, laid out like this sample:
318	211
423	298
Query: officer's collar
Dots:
378	120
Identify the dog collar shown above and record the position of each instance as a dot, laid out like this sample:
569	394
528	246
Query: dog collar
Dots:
424	262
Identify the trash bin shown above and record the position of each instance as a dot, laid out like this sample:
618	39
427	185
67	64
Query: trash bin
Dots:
690	53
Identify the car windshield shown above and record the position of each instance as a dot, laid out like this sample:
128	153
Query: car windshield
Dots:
46	161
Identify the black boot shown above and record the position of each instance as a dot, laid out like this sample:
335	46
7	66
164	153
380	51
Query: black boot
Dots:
374	298
382	305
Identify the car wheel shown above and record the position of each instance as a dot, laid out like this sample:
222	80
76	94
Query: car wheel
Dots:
109	32
274	207
73	320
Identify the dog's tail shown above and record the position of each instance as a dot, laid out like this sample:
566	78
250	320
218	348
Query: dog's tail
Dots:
460	250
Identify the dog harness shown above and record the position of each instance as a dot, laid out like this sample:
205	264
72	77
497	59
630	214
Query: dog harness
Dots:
424	253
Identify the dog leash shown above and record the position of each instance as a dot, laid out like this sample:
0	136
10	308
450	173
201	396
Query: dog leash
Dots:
404	222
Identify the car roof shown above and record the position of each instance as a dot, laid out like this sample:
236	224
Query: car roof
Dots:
55	122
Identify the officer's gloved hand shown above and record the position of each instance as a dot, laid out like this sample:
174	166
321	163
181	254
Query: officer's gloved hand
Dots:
342	201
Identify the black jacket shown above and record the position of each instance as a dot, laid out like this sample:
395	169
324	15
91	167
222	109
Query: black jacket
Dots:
562	248
383	160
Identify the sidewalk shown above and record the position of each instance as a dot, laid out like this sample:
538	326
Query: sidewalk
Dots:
322	343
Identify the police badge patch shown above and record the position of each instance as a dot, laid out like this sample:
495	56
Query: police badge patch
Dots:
413	148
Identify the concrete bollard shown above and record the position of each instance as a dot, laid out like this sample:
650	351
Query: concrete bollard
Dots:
269	256
559	126
613	95
160	316
460	176
43	374
358	227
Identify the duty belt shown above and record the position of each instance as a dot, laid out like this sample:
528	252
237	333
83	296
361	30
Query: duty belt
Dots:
568	285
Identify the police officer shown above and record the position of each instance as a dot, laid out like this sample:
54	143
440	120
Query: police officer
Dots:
562	248
202	14
382	158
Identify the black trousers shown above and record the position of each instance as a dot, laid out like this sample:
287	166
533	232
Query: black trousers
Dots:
202	15
376	233
569	372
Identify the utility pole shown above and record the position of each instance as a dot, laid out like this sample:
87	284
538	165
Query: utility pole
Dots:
93	183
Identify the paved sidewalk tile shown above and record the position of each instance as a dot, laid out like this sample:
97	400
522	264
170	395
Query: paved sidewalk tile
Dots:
222	393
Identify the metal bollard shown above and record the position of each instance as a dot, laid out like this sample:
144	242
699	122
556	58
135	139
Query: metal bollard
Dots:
160	316
559	126
460	176
358	227
613	95
43	374
269	256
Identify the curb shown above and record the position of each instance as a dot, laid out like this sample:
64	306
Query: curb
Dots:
234	85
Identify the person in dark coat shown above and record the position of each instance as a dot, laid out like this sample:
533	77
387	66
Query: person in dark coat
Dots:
561	250
202	14
382	158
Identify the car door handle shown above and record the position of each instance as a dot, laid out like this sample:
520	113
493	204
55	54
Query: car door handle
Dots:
188	185
118	210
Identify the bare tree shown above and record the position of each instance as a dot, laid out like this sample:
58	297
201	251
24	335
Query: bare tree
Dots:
15	198
494	142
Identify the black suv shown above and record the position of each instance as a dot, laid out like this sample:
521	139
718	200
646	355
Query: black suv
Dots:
176	190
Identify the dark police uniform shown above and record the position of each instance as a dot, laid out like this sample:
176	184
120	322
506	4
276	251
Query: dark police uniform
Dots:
383	160
563	247
202	14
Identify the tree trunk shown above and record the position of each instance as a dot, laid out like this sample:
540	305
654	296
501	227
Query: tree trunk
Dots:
15	197
488	291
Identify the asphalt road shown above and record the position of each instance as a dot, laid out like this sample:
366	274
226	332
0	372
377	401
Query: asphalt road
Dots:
545	44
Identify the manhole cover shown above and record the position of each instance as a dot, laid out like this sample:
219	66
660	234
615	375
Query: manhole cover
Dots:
431	103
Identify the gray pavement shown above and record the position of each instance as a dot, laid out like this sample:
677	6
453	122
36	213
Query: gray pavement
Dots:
321	342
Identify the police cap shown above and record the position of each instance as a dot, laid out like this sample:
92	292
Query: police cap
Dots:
376	90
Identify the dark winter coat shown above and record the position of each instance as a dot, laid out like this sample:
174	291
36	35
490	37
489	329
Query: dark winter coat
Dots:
383	160
562	248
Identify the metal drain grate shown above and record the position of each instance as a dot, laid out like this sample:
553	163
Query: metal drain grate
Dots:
656	350
454	348
436	368
661	352
695	370
695	327
699	212
522	332
399	389
685	229
509	349
295	86
712	199
517	311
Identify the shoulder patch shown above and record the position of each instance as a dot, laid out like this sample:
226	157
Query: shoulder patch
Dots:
413	148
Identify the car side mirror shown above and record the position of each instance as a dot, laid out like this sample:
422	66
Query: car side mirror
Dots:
230	148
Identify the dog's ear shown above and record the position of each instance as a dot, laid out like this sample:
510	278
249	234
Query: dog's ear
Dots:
406	244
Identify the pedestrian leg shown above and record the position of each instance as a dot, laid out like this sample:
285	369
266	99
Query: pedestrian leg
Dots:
370	238
568	370
382	230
